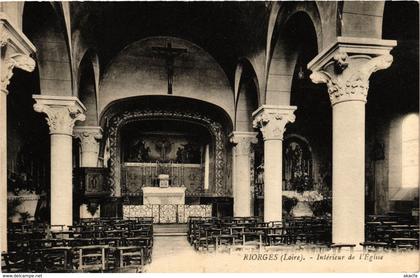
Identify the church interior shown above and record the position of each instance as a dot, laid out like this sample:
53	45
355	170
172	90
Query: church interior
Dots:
218	124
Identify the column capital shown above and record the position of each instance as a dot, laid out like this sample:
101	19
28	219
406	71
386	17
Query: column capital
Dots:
347	65
243	141
89	137
62	112
272	120
15	52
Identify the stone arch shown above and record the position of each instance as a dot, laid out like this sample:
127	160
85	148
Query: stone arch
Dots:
88	75
146	108
360	19
246	95
47	31
197	74
281	13
288	45
118	121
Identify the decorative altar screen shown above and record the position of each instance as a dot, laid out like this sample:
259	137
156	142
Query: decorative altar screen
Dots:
178	151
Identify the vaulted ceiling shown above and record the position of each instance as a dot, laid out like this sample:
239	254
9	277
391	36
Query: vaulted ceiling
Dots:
223	29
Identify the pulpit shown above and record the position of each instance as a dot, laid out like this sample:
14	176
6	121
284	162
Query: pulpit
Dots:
164	195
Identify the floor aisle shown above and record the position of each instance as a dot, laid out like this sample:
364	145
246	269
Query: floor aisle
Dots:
173	254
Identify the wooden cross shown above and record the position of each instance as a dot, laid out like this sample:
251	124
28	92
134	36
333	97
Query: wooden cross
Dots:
169	53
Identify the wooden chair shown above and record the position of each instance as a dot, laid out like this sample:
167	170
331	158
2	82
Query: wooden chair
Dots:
252	238
130	256
276	235
236	232
46	243
77	242
225	238
93	258
193	229
139	232
14	262
5	262
116	233
201	238
336	247
57	259
145	243
111	241
369	246
19	245
404	244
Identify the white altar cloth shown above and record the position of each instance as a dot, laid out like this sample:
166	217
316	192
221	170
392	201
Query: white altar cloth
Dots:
164	196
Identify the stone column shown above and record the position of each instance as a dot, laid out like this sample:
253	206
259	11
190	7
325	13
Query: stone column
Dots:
15	49
271	120
346	67
90	137
62	113
242	199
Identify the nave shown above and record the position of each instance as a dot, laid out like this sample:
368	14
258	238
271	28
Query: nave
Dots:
262	126
136	245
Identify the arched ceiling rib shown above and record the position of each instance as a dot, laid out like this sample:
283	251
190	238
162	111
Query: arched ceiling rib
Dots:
222	28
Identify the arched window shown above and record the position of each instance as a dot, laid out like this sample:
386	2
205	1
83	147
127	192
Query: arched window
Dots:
410	151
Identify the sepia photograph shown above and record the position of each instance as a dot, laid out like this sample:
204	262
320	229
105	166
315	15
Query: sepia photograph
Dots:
209	137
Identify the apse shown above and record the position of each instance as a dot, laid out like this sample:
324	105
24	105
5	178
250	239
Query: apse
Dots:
144	68
175	148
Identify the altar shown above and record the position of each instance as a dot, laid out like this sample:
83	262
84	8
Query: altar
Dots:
163	195
166	205
166	168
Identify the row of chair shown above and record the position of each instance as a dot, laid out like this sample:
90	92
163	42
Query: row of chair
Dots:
205	233
391	232
93	245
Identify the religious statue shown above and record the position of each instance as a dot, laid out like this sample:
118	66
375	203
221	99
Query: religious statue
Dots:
294	159
93	184
180	155
169	53
260	174
297	164
188	153
164	147
259	180
139	152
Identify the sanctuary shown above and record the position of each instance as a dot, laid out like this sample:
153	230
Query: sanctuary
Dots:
223	123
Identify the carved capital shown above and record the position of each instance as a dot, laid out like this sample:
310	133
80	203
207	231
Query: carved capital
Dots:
21	61
243	141
89	136
352	82
340	61
62	112
4	39
15	49
272	120
347	66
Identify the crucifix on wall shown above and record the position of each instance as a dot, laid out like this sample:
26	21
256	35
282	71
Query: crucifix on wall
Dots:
169	53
